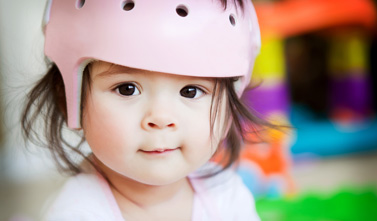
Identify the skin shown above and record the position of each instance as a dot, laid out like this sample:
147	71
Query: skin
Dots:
148	131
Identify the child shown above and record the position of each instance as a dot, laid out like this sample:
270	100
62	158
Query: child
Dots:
154	87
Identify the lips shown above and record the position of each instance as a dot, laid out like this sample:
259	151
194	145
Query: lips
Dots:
159	150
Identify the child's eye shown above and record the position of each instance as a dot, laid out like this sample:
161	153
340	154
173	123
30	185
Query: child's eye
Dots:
191	92
128	89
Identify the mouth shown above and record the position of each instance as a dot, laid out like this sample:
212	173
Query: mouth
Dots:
159	150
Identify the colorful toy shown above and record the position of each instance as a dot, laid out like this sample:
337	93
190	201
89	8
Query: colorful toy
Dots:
265	166
350	98
278	20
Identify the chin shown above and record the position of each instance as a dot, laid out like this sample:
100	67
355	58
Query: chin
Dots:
161	180
157	179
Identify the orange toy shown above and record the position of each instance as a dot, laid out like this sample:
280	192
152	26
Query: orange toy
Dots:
271	155
293	17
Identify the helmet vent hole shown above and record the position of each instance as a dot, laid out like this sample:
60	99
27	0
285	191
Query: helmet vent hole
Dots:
80	4
182	11
232	20
128	5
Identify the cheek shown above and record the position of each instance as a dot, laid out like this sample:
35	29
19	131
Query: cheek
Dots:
107	130
197	136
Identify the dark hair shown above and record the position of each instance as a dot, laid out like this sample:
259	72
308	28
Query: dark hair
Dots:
245	122
47	100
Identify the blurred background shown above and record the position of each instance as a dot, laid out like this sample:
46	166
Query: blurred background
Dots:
27	176
316	74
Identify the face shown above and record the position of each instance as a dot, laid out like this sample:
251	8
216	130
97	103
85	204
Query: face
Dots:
150	127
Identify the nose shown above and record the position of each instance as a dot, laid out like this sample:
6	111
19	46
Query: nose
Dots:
158	119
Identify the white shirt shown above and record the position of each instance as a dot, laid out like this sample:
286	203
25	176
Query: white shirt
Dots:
88	197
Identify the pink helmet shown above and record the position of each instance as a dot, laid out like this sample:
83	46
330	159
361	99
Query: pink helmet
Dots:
185	37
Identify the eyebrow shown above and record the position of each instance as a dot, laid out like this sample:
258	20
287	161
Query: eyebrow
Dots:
118	70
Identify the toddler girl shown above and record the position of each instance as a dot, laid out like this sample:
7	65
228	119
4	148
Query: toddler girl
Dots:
153	87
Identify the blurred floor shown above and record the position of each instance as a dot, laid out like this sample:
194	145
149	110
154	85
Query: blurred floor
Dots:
329	174
24	201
